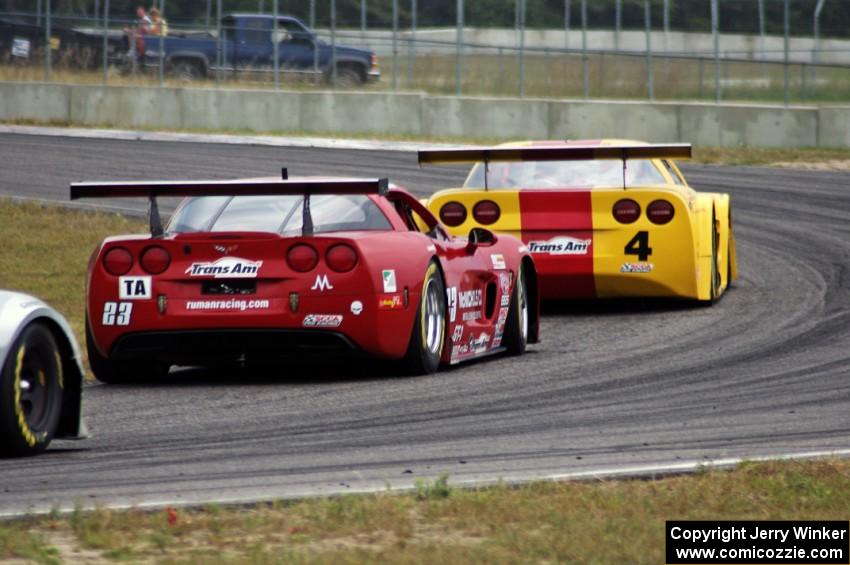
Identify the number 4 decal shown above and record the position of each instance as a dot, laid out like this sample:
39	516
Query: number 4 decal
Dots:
117	313
639	245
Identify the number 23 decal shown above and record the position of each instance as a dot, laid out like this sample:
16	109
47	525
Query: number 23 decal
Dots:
117	313
639	245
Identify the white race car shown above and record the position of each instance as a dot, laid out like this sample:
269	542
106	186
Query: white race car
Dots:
41	377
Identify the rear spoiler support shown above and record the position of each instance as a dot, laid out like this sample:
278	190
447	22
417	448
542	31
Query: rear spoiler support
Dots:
154	218
245	187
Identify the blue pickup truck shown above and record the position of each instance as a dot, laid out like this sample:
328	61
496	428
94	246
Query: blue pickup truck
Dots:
247	45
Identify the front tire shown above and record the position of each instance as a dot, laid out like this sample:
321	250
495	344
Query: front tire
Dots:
30	392
516	326
429	325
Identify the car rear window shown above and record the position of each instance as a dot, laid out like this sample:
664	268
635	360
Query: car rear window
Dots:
565	174
278	214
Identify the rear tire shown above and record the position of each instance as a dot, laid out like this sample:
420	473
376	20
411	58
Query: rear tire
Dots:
30	392
516	327
429	326
186	71
117	372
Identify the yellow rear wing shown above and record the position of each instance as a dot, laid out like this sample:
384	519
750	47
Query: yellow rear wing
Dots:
561	153
557	153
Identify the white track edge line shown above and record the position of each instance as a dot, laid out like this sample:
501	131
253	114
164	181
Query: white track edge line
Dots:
636	472
227	139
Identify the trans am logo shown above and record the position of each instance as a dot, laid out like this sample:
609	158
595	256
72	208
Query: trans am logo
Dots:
562	245
226	267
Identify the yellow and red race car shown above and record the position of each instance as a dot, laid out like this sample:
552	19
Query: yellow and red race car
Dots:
602	219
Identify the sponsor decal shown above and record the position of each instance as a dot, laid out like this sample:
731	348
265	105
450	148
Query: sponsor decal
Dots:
356	307
458	333
498	261
480	344
522	249
390	302
451	300
561	245
503	315
226	267
469	299
471	315
497	340
134	288
506	300
322	284
505	283
229	304
322	320
388	275
21	47
636	268
117	313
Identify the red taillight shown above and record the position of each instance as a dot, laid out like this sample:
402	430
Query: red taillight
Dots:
117	261
660	212
486	212
626	211
341	258
155	260
302	257
453	214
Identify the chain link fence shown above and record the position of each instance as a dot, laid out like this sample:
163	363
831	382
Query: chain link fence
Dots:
756	50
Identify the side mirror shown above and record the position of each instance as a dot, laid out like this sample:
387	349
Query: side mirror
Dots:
480	237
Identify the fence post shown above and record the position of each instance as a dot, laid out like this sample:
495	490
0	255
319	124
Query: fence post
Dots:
566	24
618	23
650	79
786	24
363	20
521	4
333	44
715	16
395	45
585	71
411	44
48	51
209	14
219	56
105	41
762	30
161	45
275	46
816	46
38	13
312	15
459	61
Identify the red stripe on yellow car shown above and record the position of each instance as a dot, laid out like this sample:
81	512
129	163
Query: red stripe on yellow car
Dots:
558	229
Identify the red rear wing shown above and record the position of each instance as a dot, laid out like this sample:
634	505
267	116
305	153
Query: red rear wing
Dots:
242	187
563	153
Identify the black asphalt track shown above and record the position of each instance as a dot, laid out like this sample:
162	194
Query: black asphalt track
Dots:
766	371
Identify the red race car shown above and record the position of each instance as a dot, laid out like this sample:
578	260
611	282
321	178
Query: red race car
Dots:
262	268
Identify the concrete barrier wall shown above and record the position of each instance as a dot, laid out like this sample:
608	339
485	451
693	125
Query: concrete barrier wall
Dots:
733	46
419	114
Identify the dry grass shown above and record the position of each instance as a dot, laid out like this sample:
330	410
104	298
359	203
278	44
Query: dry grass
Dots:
547	75
588	522
46	250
